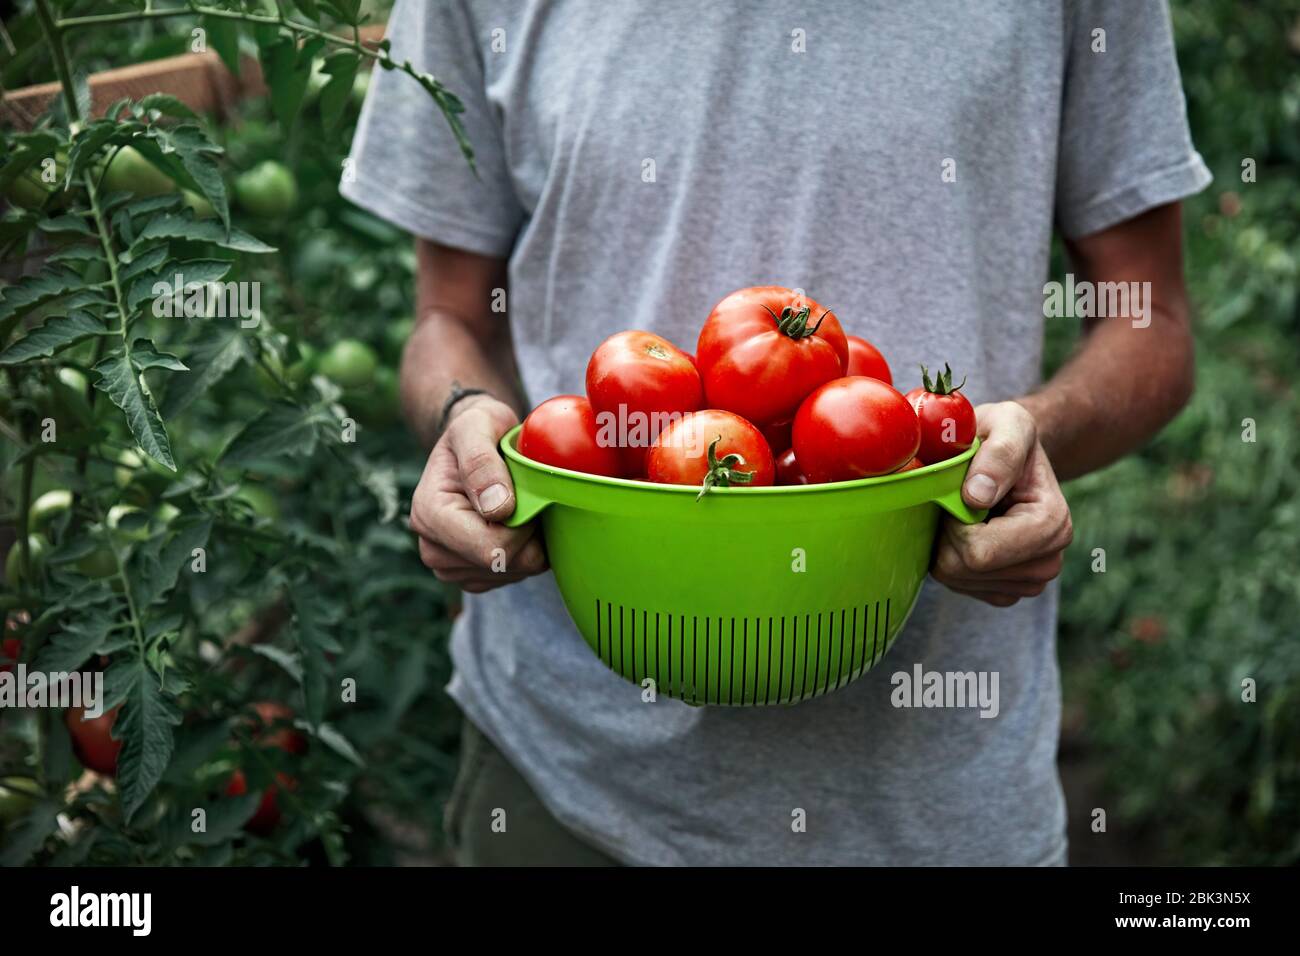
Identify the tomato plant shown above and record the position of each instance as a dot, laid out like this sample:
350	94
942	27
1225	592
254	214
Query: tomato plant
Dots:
206	503
763	349
946	416
92	739
268	190
711	448
562	431
854	427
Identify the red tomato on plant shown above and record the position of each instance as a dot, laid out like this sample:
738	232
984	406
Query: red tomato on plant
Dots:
866	359
763	349
788	471
711	448
854	427
639	378
10	650
946	415
562	432
267	816
92	740
279	718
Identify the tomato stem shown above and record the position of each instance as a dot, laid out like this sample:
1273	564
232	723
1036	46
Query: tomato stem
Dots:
794	323
942	384
722	473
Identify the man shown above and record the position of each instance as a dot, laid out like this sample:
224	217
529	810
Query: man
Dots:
905	164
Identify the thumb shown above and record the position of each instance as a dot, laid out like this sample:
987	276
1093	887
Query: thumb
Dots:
483	474
1008	434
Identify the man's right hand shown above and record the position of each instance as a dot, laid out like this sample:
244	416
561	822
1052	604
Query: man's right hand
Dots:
463	494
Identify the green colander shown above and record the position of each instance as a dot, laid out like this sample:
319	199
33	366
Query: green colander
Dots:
748	595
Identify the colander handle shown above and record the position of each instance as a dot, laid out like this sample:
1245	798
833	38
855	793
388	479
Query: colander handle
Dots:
953	504
528	505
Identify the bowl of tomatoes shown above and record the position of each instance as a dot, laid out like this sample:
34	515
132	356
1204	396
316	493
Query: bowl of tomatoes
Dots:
749	525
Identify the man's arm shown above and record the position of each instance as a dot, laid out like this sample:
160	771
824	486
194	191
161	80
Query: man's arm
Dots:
1120	387
465	490
457	337
1124	383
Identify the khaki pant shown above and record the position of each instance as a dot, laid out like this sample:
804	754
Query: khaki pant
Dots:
494	818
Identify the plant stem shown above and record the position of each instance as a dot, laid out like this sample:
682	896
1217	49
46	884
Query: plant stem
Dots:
446	101
54	35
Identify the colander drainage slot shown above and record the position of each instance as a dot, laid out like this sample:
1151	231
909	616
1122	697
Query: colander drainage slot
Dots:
732	662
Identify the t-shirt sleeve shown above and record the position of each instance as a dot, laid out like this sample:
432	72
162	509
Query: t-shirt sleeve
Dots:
405	165
1125	146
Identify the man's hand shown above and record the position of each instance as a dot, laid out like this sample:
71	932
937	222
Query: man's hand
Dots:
464	490
1018	550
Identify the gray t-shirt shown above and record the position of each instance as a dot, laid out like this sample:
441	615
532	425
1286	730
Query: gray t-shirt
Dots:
905	164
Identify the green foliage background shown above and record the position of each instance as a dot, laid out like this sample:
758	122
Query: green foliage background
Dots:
1202	529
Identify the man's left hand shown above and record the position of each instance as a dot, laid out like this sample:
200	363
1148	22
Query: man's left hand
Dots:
1018	550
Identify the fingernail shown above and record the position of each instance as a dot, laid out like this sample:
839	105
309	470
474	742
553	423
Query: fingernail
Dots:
492	497
980	489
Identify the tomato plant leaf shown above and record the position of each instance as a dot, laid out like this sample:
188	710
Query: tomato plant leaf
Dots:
178	281
335	741
159	566
145	356
25	151
145	261
86	146
183	226
68	223
287	74
26	837
287	662
312	620
342	70
31	291
349	11
76	641
144	726
382	485
56	334
82	252
283	429
219	348
164	104
223	36
120	380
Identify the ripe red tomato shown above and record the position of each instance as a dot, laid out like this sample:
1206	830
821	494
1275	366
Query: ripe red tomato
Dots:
92	740
10	650
562	432
854	427
638	378
946	415
912	465
711	448
779	436
762	350
267	816
866	359
281	733
788	471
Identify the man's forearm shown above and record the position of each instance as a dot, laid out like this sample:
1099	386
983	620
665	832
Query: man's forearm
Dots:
1121	387
442	350
1124	383
458	338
